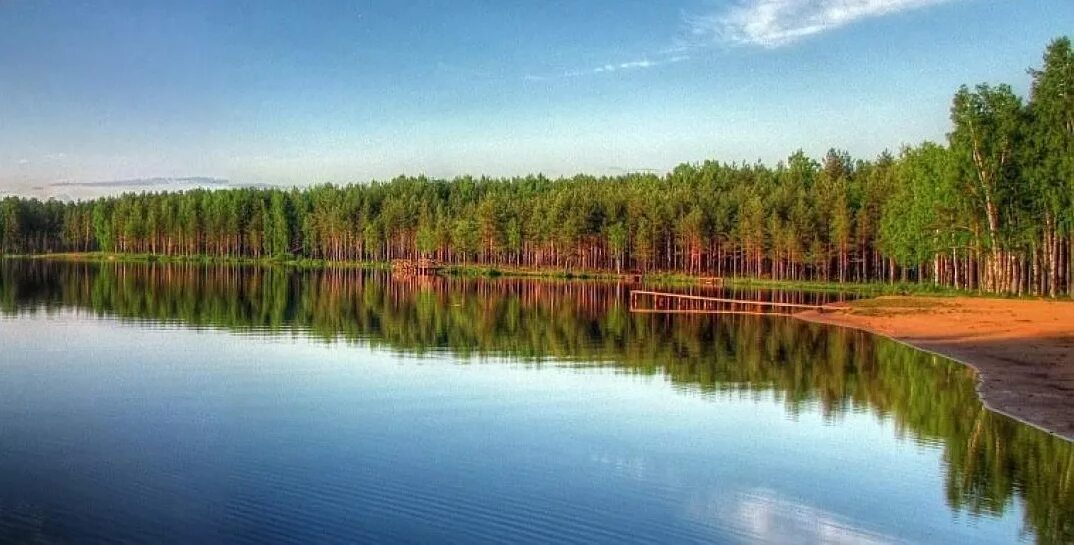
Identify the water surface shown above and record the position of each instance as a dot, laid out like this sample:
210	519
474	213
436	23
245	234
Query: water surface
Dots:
181	404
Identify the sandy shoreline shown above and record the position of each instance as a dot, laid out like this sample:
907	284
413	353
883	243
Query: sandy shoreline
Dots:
1023	349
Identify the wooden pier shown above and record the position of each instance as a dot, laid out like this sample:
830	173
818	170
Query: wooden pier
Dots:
416	267
662	303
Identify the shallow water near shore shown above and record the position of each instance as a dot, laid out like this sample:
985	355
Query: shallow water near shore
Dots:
177	404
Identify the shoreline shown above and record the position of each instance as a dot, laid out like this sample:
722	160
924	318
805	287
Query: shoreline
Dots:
1021	350
470	270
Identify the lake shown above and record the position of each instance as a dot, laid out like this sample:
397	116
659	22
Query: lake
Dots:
150	403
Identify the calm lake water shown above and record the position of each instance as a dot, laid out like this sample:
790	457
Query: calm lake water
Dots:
181	404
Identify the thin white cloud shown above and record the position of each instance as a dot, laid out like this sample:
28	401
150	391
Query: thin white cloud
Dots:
159	182
776	23
764	23
640	64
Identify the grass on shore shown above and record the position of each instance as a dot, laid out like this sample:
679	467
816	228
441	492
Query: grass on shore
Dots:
523	272
107	257
872	289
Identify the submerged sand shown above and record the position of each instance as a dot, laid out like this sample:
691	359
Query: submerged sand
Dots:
1022	349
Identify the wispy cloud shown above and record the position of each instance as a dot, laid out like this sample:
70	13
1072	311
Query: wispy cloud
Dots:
150	182
776	23
759	23
640	64
636	170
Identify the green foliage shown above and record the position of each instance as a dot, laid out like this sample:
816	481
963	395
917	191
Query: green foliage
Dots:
1048	154
921	218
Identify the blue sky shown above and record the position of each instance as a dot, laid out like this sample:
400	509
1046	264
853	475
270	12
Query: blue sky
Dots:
296	93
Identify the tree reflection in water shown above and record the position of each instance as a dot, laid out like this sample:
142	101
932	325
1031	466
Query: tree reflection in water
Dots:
990	459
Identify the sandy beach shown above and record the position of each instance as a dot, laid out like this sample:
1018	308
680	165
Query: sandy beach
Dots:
1023	349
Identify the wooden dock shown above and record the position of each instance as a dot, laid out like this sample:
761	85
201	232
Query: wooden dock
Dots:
416	267
662	304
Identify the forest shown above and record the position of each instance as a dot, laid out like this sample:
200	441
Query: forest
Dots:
991	209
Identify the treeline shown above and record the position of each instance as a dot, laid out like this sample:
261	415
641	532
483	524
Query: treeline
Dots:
992	209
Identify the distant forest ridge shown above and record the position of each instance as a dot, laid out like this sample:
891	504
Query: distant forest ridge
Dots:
992	209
